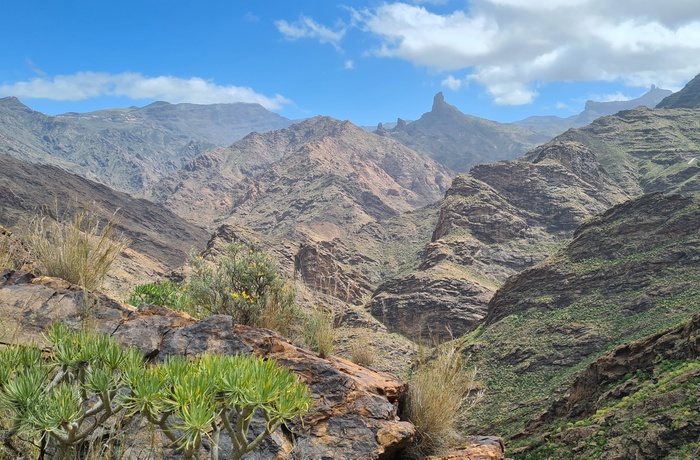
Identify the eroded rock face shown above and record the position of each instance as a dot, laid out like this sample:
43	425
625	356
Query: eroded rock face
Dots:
494	222
355	409
476	448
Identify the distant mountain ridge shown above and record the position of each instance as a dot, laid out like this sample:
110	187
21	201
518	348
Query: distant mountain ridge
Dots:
460	141
127	149
554	125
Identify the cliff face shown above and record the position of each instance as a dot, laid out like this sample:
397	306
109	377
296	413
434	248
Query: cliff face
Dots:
504	217
494	222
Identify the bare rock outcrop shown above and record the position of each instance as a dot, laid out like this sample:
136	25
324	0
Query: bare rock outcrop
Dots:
355	412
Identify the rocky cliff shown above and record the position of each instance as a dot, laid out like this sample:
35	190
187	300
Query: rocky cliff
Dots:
355	411
504	217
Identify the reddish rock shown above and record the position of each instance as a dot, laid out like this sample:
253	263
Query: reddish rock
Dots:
476	448
355	409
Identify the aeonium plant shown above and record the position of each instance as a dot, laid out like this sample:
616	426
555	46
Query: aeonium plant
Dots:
60	400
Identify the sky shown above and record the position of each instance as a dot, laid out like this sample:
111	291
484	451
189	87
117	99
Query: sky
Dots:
366	61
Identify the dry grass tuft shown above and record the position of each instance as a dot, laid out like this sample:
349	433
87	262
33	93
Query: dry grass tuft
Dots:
80	250
440	393
362	351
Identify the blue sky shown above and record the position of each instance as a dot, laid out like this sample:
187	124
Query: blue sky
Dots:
366	61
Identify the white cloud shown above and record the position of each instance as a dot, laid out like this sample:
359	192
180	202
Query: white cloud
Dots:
308	28
453	83
349	65
510	46
87	85
618	96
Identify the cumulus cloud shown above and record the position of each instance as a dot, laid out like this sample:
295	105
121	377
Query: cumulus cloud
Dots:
510	46
306	27
349	65
453	83
87	85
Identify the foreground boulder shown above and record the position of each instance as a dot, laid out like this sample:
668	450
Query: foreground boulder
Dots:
355	409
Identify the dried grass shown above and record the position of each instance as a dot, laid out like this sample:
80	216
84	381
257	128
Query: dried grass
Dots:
440	393
80	250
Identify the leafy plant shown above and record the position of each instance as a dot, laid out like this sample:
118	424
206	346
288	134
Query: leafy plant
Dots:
246	284
62	400
165	293
80	250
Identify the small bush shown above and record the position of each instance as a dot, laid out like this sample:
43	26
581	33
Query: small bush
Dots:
81	251
245	284
165	293
319	331
440	392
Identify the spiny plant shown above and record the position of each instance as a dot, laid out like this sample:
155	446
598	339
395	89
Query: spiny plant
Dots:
80	250
59	401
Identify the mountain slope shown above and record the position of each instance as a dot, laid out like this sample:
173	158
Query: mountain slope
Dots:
629	272
494	222
460	141
160	240
127	149
331	187
553	126
688	97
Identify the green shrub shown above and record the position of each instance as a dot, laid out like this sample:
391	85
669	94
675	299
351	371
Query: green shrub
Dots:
165	293
80	251
319	331
246	284
440	392
59	402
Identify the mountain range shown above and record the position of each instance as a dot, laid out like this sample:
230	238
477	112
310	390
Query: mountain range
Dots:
544	257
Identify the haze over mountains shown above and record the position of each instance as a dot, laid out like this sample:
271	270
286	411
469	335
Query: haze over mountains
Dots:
538	253
128	149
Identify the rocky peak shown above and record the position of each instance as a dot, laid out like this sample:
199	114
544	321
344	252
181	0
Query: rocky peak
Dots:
438	101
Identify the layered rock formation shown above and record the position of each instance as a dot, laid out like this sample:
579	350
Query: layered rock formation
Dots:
493	223
502	218
630	272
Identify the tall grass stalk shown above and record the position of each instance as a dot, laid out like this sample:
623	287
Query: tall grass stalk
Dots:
80	250
440	393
